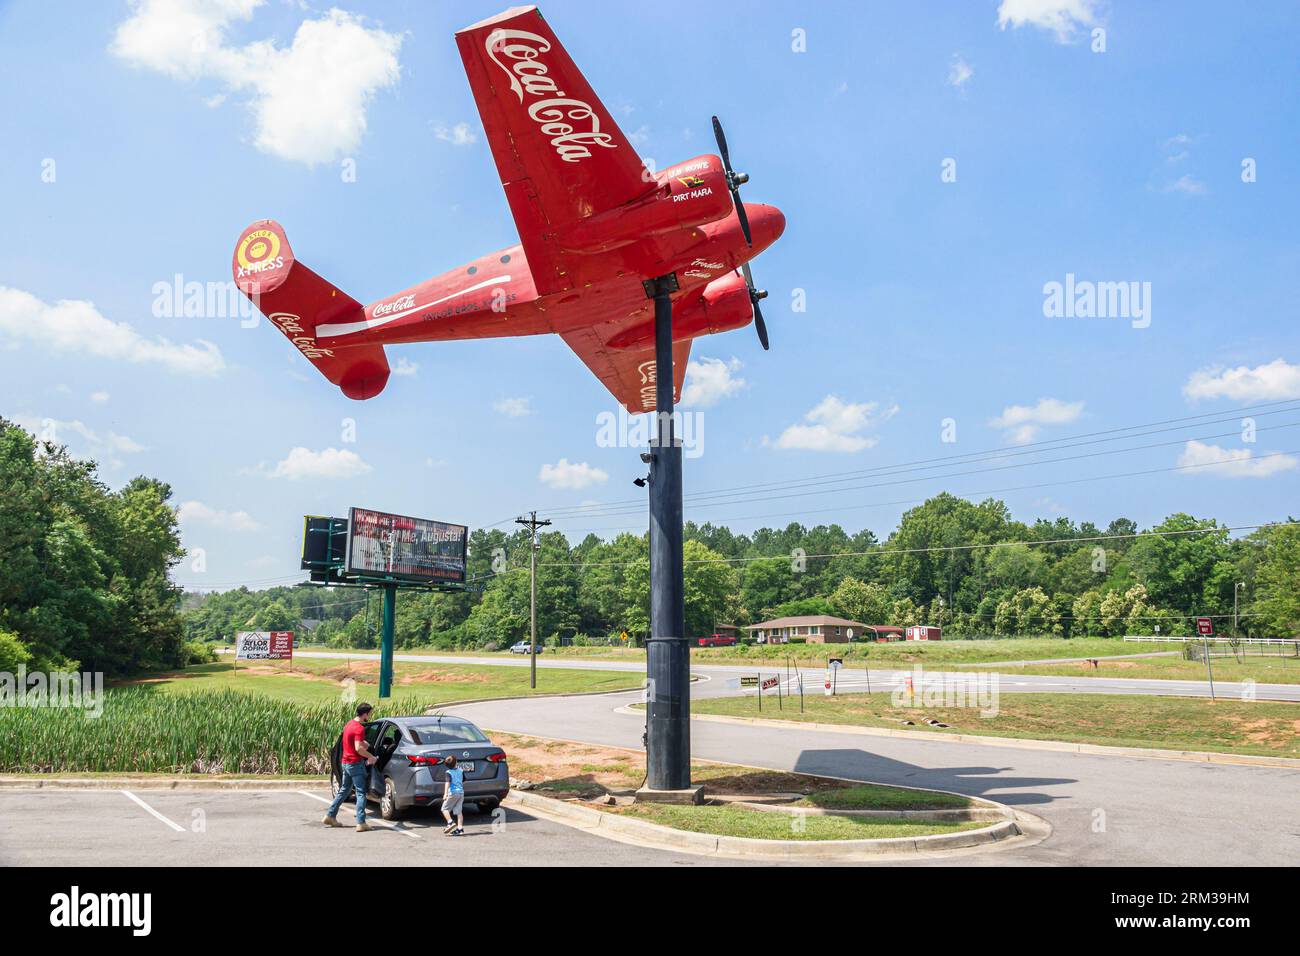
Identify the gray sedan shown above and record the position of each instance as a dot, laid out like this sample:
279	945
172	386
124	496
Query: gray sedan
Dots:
411	771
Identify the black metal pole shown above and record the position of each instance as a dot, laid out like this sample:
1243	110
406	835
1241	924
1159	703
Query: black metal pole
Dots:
668	730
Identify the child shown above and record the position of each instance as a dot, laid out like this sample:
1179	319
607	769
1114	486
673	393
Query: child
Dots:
453	799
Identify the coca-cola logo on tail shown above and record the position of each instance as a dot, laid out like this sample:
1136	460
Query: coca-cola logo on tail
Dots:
572	124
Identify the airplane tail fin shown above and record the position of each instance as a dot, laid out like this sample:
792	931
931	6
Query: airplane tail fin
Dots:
297	300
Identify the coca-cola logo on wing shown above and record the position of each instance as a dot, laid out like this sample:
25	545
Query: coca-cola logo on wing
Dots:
291	326
571	124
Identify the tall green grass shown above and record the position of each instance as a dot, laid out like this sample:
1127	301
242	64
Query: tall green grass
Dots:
210	732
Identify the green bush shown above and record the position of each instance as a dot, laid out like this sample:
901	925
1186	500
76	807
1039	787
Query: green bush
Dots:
13	653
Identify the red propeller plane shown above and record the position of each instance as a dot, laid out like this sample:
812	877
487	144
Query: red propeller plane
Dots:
593	224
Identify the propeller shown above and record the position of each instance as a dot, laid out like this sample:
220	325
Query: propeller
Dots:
755	296
734	182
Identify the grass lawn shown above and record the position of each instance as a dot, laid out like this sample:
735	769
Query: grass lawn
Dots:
755	824
315	680
1263	669
574	771
1269	728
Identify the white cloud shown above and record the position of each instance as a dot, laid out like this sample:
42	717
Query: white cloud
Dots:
834	425
196	512
1061	17
99	398
960	72
405	366
326	463
513	407
1277	379
639	136
1186	183
308	100
80	437
709	380
571	476
458	135
74	325
1023	422
1234	462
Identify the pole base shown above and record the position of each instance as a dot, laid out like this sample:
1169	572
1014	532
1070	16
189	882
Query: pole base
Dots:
691	795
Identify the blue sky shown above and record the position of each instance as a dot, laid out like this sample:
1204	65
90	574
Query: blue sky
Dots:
135	152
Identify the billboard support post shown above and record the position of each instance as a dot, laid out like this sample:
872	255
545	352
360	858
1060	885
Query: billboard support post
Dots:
386	642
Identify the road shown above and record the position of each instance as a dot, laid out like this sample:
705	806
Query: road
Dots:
1104	810
722	678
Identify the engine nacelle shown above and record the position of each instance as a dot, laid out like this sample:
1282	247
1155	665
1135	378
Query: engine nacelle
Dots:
688	194
723	306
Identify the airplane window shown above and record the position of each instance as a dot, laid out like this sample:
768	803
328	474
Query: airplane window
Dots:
473	269
505	258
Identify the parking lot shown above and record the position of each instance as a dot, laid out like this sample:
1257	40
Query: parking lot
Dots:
92	827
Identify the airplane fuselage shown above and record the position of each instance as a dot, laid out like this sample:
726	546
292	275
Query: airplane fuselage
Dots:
687	225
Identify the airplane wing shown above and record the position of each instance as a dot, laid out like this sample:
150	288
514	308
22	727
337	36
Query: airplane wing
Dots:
559	152
629	375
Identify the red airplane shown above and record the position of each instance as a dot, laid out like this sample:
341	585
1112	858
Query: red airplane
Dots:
593	222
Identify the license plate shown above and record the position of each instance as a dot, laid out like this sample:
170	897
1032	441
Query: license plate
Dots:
466	765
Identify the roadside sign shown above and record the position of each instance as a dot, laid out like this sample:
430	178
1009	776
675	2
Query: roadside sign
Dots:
264	646
751	681
770	682
836	663
1205	626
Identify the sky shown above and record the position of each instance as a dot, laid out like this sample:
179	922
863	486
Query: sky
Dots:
956	179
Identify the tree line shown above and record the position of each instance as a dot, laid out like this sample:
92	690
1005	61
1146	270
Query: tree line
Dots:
968	567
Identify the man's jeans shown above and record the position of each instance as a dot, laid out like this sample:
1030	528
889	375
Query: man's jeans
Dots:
355	776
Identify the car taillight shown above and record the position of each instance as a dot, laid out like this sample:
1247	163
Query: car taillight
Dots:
497	757
423	760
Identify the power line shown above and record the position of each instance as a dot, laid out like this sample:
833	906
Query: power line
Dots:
1032	448
695	504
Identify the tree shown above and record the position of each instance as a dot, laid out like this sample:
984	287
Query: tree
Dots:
709	584
860	601
1276	601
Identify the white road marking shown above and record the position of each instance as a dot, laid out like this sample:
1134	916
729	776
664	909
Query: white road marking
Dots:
175	826
373	823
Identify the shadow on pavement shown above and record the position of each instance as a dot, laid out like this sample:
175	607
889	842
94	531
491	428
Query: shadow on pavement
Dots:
989	782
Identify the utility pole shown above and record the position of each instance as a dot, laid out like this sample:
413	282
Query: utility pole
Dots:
532	524
1236	589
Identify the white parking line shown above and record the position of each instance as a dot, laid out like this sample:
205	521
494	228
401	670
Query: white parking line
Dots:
175	826
373	823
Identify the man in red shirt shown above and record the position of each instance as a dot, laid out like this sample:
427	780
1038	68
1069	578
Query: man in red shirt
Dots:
357	759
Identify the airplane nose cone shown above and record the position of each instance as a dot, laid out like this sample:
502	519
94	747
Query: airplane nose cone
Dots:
766	223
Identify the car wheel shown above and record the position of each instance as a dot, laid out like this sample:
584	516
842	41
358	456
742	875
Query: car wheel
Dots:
335	784
388	807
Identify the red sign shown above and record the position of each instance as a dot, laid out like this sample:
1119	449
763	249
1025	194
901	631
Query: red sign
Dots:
770	682
1205	627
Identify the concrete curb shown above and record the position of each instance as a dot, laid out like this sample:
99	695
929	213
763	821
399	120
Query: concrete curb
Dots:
1024	743
653	835
18	782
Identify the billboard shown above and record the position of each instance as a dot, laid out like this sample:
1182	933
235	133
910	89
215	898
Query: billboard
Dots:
264	646
417	549
324	546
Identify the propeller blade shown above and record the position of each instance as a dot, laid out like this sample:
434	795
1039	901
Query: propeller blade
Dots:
761	326
722	144
741	215
755	296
